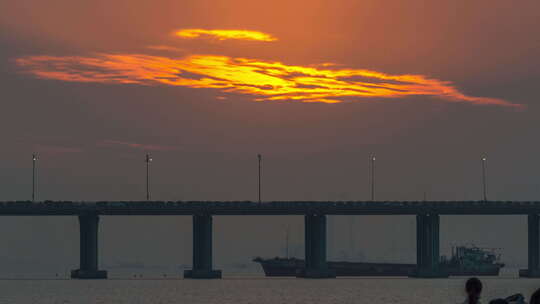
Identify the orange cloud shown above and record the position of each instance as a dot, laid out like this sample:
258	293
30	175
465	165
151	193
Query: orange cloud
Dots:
265	80
225	34
166	48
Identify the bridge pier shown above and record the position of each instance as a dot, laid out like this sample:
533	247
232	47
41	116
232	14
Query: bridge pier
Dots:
315	248
427	247
533	229
89	225
202	250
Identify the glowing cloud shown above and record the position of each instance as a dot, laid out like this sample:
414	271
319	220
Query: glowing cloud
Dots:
264	80
225	34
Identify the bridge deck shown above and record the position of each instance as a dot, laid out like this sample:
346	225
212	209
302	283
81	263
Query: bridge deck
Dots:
268	208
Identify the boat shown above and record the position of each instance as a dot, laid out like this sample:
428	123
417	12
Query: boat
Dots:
472	260
465	261
289	267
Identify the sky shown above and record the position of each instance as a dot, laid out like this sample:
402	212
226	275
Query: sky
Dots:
316	87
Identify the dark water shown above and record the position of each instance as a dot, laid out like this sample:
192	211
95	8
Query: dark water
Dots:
254	290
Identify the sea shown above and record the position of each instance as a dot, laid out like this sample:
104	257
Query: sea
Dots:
242	288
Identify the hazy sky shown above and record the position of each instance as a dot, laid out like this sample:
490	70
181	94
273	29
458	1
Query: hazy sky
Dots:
315	86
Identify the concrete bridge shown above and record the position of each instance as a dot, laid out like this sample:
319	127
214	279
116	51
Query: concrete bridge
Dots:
427	227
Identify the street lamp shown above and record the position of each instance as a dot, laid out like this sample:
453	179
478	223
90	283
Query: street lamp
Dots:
259	157
484	182
34	159
372	176
148	161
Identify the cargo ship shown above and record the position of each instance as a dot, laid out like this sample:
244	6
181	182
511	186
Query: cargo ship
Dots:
290	267
465	261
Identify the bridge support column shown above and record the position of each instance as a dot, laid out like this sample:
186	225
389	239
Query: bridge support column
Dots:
427	247
533	270
202	250
315	248
88	249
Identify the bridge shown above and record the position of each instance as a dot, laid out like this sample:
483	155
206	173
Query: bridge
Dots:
427	227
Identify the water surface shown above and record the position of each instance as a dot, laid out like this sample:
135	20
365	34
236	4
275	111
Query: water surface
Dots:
254	290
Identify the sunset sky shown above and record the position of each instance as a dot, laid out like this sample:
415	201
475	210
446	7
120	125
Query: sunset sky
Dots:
430	87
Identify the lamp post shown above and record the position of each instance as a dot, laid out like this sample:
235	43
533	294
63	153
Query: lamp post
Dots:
148	161
484	181
34	159
259	158
372	176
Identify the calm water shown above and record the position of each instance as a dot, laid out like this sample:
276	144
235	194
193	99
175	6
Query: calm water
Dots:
256	290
